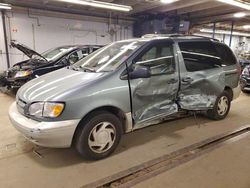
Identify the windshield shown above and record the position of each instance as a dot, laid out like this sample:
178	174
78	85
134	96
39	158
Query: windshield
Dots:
110	57
55	53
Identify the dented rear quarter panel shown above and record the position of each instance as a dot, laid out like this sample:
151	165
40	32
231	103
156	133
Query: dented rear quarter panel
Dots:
207	85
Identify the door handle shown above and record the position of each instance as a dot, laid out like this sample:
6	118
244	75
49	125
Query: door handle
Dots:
187	80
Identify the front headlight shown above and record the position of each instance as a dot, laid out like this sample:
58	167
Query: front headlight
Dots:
21	74
36	109
46	109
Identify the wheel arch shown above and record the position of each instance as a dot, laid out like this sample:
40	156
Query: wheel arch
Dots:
230	92
114	110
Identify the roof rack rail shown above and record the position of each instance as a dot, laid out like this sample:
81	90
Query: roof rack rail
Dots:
204	37
176	35
159	35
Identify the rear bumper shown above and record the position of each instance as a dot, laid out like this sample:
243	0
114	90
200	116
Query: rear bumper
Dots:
236	92
57	134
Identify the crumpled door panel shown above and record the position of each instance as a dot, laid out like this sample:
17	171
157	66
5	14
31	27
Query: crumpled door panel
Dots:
153	98
202	92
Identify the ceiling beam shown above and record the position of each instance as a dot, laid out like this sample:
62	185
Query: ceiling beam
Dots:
216	18
179	5
198	7
221	10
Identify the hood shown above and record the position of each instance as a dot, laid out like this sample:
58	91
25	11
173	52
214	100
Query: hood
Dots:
26	50
54	84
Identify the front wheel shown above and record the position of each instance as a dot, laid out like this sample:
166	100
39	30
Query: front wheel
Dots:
99	135
221	107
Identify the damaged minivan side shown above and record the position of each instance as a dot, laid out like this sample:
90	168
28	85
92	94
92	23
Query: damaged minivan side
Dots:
125	86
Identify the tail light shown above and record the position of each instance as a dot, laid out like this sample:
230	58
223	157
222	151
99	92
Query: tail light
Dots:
239	70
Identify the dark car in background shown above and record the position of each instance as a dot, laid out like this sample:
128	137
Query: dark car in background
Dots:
245	79
39	64
244	59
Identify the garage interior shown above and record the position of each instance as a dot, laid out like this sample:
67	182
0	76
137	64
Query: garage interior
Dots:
46	24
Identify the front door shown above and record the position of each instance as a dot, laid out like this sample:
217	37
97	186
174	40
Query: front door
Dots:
154	98
202	75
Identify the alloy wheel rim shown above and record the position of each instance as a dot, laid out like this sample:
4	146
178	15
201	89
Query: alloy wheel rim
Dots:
102	137
222	106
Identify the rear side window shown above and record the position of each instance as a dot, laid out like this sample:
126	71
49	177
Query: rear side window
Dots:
226	55
199	56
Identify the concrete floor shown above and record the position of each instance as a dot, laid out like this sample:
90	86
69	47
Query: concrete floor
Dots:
223	167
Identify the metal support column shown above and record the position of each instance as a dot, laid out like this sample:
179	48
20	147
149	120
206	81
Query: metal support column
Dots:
224	37
214	27
231	34
5	38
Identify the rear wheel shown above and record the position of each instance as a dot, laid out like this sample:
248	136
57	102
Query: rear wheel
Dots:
221	107
99	135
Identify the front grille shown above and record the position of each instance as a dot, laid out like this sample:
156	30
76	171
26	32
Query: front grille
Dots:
21	105
11	74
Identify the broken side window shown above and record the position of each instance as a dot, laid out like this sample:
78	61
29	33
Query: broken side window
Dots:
199	55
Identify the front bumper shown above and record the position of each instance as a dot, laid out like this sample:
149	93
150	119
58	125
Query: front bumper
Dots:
3	81
11	82
15	83
58	134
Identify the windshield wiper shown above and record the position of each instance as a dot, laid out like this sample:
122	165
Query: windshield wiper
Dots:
87	69
83	68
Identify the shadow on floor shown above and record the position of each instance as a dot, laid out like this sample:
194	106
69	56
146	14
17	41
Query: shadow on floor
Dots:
58	158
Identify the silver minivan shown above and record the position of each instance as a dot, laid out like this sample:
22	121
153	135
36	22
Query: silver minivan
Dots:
125	86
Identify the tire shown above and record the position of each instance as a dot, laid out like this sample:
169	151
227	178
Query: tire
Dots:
220	112
98	135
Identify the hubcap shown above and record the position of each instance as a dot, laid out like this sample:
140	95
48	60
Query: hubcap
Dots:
102	137
222	106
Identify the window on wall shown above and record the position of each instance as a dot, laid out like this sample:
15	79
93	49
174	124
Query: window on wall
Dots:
199	56
159	58
226	55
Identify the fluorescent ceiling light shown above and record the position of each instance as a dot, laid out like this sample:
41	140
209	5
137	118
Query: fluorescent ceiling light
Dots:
5	6
235	33
246	26
240	15
236	3
168	1
99	4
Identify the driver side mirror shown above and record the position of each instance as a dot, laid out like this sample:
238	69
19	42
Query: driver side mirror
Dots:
140	72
